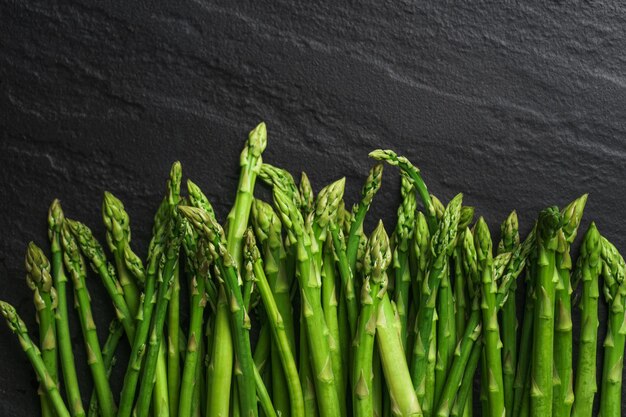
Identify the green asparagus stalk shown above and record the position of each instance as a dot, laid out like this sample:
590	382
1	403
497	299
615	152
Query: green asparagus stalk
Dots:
310	283
588	269
493	344
370	188
347	276
548	227
442	244
165	281
39	280
404	234
509	241
563	392
240	322
48	384
465	390
414	173
377	259
198	302
75	265
279	334
66	355
613	273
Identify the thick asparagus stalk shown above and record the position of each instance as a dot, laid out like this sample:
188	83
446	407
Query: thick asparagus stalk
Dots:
39	280
588	269
543	326
563	392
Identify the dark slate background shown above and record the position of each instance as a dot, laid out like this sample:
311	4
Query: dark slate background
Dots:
517	106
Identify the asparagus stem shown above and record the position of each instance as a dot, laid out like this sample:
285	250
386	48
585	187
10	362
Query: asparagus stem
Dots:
509	241
465	390
588	269
522	373
306	374
75	265
310	282
377	259
48	384
613	272
563	391
227	270
442	244
542	358
264	396
116	332
346	274
66	355
279	334
39	280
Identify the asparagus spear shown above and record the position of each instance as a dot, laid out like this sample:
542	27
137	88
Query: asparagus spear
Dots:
563	392
308	198
75	265
279	333
377	259
240	322
315	325
442	244
548	227
48	384
116	332
66	355
613	272
588	269
493	345
404	234
44	296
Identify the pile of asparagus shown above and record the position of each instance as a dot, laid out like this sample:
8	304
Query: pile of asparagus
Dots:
345	323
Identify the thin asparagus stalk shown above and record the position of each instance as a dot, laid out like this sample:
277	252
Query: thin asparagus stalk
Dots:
310	282
66	355
138	348
442	244
264	396
18	327
588	269
39	280
306	374
522	373
219	370
509	241
543	327
279	334
404	234
347	276
173	306
414	173
116	332
563	392
377	259
370	188
613	273
75	265
493	345
227	270
165	280
198	302
465	390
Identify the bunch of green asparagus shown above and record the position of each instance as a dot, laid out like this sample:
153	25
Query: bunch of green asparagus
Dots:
344	323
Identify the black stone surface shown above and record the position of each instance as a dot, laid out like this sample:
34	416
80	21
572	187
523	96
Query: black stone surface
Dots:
519	106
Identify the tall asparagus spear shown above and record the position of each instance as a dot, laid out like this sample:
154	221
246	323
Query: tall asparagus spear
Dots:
508	242
64	342
75	265
279	333
240	322
588	269
315	325
613	272
548	226
377	259
443	242
45	299
563	392
493	344
48	384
